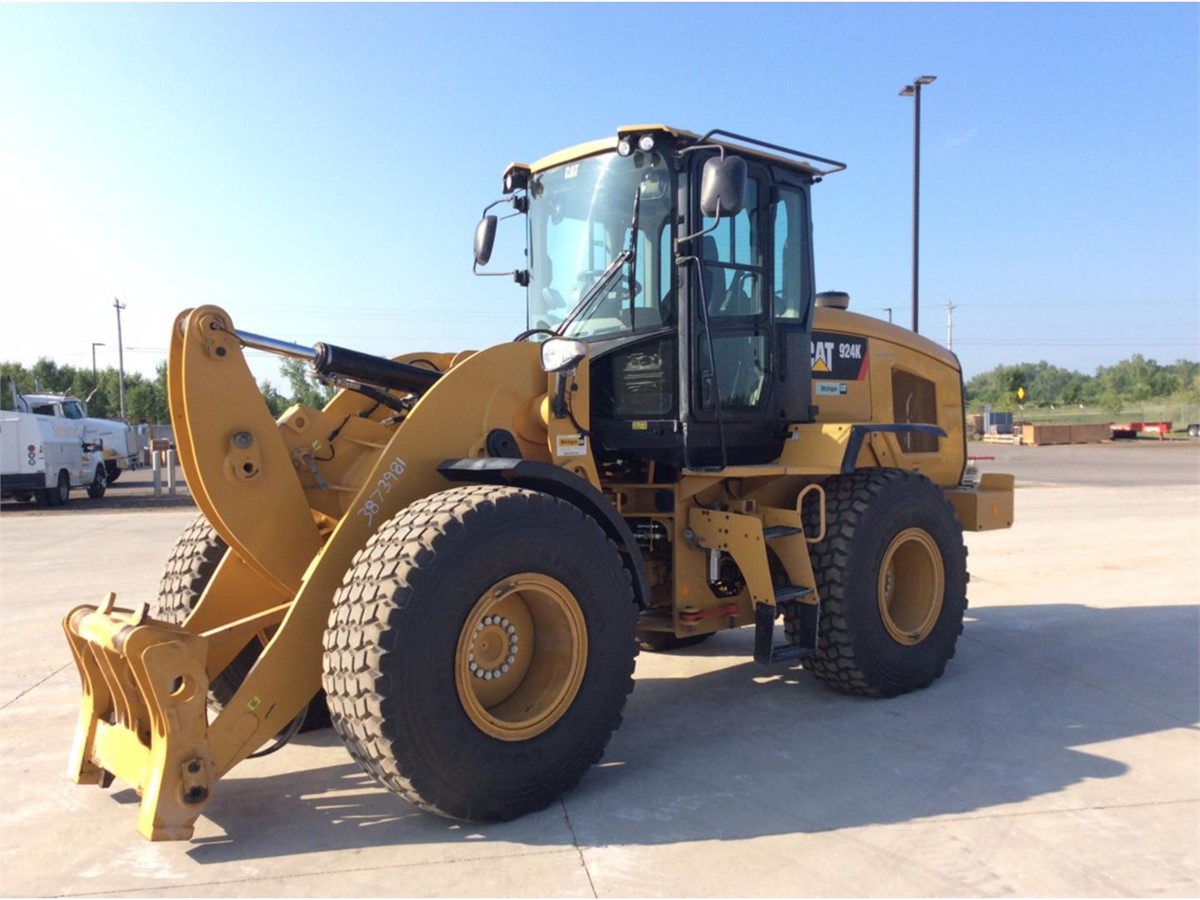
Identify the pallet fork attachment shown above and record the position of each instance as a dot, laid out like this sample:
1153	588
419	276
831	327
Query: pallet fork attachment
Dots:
143	717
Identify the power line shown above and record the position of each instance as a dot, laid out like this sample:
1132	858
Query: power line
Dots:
1128	342
1050	304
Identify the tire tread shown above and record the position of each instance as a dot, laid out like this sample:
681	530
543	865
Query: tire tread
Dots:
367	607
837	662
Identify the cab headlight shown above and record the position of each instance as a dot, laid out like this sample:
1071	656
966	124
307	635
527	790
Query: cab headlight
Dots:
561	354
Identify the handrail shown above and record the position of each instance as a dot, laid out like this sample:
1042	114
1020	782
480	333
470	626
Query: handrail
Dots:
837	166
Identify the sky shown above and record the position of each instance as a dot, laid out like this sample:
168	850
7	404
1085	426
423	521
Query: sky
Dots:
318	170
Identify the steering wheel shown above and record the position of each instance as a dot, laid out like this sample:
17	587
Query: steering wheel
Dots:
530	332
617	294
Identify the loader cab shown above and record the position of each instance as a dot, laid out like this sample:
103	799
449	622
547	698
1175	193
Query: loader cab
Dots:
698	325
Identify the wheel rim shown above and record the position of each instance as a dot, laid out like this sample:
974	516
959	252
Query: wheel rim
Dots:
521	656
64	488
912	585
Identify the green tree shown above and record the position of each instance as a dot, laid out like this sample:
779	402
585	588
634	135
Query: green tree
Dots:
1111	402
305	388
276	402
145	400
52	377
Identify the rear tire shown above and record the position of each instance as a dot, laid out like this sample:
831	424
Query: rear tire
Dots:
480	651
892	577
99	484
193	560
59	494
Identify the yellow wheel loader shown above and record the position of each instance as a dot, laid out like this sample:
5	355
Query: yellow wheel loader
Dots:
459	556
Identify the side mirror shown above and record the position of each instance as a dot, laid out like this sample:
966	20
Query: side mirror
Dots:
485	237
723	186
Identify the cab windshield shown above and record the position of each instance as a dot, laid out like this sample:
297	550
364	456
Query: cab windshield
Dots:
580	215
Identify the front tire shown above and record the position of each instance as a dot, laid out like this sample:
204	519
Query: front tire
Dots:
480	651
193	560
891	573
99	484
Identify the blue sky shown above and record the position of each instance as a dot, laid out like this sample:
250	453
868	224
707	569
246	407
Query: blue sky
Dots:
318	170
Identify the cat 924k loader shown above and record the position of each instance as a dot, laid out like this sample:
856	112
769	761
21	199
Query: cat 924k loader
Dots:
460	555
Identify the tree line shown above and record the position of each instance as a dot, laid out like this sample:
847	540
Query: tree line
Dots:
145	398
1113	388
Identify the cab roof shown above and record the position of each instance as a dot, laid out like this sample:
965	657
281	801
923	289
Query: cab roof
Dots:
739	144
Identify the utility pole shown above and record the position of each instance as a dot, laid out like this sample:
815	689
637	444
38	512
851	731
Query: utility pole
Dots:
950	307
95	377
118	305
914	90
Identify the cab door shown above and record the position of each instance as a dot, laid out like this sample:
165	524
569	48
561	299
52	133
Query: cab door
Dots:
750	322
732	347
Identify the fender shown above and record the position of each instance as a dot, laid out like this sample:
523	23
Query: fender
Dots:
558	482
859	432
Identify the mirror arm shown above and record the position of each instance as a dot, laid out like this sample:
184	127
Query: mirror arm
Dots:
520	276
520	205
511	201
701	146
691	237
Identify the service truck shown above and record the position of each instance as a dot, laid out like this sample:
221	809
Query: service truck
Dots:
120	442
45	457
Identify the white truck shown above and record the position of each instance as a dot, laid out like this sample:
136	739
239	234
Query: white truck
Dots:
45	457
121	443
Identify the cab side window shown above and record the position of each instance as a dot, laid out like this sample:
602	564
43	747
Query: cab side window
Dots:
789	262
733	261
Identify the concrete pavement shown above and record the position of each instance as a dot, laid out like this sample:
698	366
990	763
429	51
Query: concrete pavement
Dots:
1059	755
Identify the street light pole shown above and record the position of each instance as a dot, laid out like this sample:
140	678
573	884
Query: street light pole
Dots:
95	378
914	90
888	310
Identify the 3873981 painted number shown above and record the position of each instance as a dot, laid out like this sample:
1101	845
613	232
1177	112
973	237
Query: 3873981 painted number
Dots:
373	504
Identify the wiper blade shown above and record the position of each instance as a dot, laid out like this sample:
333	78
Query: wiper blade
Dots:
598	289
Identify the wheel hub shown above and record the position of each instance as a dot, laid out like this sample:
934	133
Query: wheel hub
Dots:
912	586
521	656
494	648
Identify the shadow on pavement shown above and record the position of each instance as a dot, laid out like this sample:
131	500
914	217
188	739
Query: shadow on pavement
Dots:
747	751
120	497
